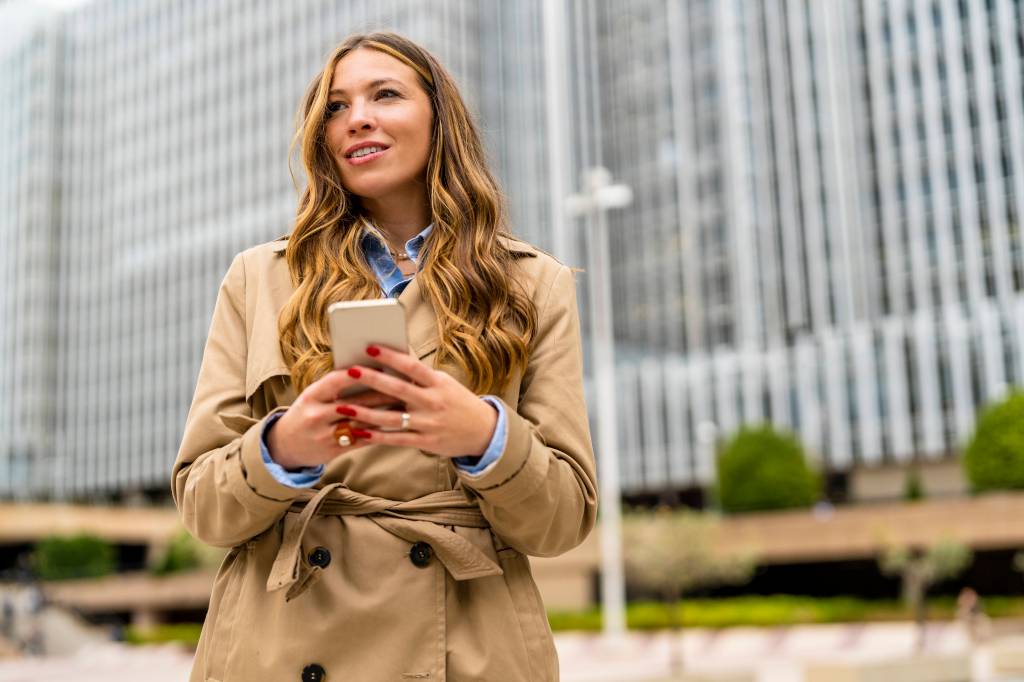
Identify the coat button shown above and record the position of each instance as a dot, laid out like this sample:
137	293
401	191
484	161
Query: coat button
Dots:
314	672
420	554
319	557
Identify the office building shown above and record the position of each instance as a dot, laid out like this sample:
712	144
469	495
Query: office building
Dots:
826	228
824	232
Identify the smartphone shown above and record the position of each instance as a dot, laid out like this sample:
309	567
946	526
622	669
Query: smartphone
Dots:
354	325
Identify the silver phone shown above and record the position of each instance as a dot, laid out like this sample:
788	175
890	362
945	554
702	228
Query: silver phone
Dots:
354	325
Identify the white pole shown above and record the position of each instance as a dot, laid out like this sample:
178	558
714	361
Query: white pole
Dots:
613	591
601	196
556	108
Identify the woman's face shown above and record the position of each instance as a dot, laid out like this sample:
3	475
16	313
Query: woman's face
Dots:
378	126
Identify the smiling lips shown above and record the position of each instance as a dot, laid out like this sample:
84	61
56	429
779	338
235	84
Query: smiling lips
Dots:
364	153
366	158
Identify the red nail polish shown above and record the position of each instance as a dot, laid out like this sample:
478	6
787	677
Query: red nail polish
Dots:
361	433
346	410
372	351
354	373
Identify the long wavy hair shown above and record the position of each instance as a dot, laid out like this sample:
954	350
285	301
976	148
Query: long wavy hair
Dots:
486	322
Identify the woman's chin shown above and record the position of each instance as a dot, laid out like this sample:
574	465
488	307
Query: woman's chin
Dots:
377	192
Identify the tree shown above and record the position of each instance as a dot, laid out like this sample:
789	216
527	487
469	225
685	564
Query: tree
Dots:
184	553
181	554
913	487
762	468
673	552
994	457
921	567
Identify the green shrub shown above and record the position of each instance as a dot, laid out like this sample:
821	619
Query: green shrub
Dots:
185	633
182	554
79	556
762	469
994	458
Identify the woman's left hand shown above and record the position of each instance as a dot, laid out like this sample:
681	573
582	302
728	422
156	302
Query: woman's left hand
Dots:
445	417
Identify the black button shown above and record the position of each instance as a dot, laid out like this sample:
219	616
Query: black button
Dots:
319	557
420	554
314	672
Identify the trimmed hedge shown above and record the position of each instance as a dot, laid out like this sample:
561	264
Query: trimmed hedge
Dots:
184	633
78	556
769	611
994	457
776	610
764	469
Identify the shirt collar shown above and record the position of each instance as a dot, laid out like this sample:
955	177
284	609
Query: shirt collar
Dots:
378	256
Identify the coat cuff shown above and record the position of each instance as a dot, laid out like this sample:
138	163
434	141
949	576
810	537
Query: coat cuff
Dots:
305	477
259	483
494	448
520	470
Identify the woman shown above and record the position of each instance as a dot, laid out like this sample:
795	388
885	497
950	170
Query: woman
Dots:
366	554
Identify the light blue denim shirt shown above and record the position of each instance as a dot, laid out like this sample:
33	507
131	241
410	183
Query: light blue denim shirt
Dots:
392	283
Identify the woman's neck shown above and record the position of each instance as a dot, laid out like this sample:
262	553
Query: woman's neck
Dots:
398	221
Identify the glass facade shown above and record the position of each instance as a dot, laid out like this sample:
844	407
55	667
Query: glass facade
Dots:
826	227
824	233
29	211
147	145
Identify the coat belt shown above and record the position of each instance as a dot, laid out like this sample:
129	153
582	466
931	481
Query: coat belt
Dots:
421	519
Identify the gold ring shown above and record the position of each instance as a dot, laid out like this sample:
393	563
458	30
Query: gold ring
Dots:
344	441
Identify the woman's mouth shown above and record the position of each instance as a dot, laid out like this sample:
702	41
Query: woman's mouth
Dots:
365	155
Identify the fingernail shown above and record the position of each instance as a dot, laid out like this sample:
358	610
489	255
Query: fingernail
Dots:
354	373
372	351
361	433
346	410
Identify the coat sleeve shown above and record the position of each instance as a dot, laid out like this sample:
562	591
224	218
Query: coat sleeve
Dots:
223	491
541	495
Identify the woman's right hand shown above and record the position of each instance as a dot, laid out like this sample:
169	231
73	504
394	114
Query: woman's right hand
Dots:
304	436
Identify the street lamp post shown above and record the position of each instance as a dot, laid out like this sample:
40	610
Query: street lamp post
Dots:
600	196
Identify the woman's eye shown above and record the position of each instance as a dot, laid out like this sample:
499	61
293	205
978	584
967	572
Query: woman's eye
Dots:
334	107
386	93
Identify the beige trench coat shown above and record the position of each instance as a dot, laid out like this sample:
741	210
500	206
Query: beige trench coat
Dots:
396	565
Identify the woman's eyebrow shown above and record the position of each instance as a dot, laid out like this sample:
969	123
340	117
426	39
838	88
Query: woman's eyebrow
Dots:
370	86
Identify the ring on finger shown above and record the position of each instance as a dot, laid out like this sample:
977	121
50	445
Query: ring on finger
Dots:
405	421
343	433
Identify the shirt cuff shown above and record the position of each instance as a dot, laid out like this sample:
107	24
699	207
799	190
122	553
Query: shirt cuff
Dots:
497	446
302	478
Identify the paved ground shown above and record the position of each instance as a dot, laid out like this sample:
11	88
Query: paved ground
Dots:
773	654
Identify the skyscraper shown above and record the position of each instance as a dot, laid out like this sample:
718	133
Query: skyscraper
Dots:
29	211
148	144
825	231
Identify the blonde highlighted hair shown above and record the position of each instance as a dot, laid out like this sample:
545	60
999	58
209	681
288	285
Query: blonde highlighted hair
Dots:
486	323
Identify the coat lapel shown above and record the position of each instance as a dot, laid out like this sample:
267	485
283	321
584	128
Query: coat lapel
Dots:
420	320
263	305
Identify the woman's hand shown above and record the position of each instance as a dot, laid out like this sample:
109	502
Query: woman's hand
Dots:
306	435
445	417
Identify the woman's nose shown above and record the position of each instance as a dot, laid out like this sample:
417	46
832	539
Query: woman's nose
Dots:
359	117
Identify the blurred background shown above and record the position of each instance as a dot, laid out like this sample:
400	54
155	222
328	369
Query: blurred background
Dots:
798	224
